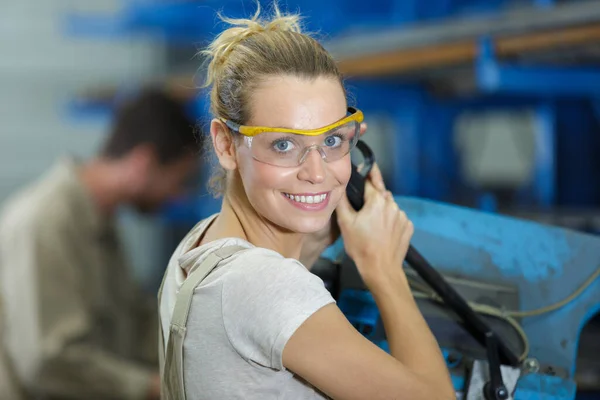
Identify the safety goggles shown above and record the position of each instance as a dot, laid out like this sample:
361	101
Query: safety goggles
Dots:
290	147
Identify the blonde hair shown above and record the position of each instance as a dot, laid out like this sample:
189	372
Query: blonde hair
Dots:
241	57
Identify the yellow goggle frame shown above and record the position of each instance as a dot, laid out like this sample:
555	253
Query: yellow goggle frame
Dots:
246	130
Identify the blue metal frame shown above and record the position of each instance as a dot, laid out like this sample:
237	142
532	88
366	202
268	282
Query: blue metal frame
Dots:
545	263
494	77
545	156
180	22
426	162
545	3
578	144
187	22
596	108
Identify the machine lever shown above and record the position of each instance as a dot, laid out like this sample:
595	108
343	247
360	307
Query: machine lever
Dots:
472	322
494	389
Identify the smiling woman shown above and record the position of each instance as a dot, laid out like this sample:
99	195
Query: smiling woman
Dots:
257	323
287	163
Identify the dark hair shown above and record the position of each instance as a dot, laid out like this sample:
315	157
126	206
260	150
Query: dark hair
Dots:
153	117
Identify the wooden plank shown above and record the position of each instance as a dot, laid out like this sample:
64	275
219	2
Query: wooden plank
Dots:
464	52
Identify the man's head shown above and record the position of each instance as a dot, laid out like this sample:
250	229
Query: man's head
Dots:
154	143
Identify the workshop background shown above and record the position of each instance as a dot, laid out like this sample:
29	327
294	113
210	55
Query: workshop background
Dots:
489	104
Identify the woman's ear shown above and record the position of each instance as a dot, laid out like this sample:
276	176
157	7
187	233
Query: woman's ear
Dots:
223	144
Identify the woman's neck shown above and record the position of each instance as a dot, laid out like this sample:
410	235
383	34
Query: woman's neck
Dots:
238	219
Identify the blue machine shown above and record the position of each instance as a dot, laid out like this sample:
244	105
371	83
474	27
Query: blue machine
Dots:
518	267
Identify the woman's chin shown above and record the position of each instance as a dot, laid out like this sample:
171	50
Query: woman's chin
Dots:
308	225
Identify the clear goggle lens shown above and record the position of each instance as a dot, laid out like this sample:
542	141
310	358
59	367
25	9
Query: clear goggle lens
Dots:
290	150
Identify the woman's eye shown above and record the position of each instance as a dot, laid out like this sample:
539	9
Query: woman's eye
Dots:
284	145
332	141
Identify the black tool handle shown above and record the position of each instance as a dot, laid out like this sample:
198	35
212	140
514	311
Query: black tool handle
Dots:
472	322
356	186
494	389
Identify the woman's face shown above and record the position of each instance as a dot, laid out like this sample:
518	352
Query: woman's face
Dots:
283	195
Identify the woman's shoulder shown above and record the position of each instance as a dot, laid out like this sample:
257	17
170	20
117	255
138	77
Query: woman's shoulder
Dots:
258	270
260	259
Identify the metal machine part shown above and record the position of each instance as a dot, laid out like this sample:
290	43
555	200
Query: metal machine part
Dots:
545	264
444	323
470	320
480	377
518	266
478	328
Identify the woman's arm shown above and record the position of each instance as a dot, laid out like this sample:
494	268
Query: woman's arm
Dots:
330	354
335	358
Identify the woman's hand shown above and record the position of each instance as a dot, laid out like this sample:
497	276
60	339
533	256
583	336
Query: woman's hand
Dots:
328	352
315	243
376	237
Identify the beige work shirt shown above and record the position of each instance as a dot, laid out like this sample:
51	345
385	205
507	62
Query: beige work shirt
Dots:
75	325
9	387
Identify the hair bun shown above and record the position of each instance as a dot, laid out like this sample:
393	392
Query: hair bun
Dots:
219	50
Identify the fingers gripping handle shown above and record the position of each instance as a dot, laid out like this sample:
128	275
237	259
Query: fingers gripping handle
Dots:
476	326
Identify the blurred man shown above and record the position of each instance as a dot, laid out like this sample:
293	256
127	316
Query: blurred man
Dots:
75	325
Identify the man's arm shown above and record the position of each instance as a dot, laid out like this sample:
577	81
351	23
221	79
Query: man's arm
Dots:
69	365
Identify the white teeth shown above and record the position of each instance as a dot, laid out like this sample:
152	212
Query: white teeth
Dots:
308	199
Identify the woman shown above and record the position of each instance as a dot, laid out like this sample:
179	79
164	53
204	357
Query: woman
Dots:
260	325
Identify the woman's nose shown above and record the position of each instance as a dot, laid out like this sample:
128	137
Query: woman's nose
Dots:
313	167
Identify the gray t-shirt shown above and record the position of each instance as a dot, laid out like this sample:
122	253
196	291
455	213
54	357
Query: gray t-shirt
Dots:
241	317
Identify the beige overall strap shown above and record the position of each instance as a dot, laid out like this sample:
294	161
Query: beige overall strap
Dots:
161	339
173	368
